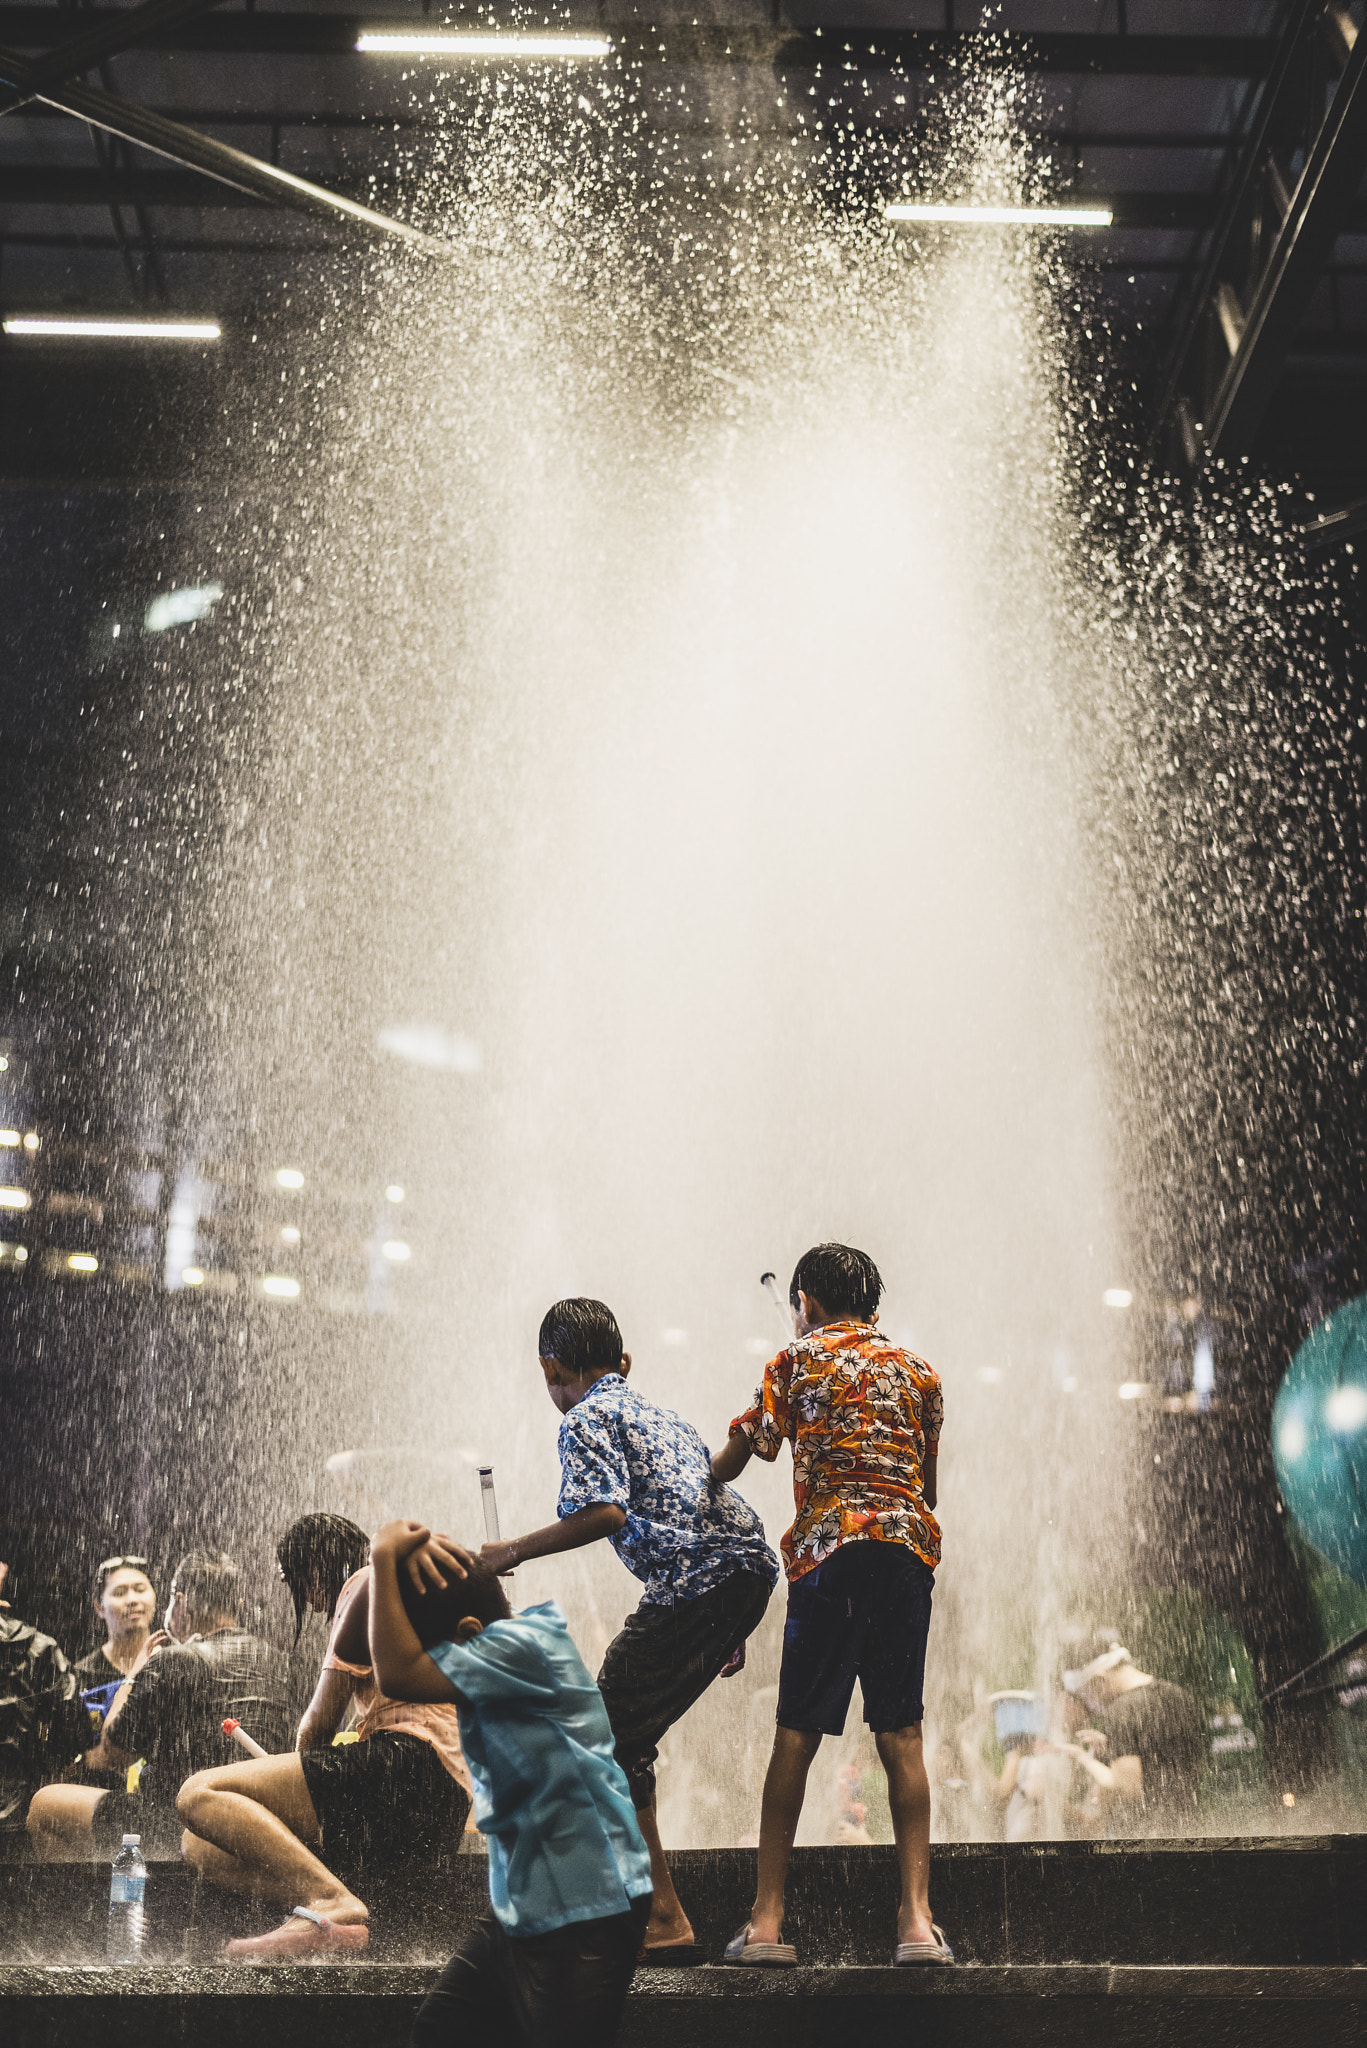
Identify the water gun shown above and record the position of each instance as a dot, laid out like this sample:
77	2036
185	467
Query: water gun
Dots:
239	1734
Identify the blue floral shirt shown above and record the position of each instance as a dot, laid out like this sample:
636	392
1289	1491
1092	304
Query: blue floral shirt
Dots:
683	1532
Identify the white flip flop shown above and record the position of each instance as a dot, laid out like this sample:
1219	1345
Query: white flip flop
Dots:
911	1952
759	1955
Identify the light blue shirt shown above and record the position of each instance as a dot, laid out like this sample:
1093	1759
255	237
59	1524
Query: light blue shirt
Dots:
550	1797
684	1532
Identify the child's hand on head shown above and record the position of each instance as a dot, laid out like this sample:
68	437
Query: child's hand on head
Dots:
399	1539
431	1561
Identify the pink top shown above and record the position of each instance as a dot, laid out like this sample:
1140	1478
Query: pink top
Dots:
430	1721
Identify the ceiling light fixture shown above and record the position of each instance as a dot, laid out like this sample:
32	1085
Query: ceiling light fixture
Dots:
1001	216
281	1287
13	1198
396	1251
458	43
1117	1297
82	1262
192	1276
93	328
290	1177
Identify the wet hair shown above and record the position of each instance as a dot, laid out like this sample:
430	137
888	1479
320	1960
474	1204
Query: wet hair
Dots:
844	1281
320	1550
107	1566
209	1583
582	1336
438	1613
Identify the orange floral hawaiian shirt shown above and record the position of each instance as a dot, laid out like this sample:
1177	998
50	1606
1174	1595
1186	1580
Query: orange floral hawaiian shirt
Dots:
862	1416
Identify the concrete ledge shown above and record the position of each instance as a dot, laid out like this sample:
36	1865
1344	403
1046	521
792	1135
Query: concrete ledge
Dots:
327	1980
1294	1903
364	2005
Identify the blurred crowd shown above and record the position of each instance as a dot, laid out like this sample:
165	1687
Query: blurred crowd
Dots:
1109	1750
93	1746
112	1742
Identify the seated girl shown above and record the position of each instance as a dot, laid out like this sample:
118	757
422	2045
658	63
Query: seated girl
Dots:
302	1828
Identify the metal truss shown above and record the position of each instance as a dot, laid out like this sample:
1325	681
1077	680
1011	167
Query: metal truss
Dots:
118	30
1293	192
172	139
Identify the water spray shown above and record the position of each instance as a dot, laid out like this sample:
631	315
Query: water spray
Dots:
769	1282
239	1734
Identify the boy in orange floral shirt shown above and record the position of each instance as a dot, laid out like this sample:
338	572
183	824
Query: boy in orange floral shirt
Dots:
863	1418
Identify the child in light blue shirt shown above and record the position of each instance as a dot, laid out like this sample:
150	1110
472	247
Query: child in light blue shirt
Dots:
569	1874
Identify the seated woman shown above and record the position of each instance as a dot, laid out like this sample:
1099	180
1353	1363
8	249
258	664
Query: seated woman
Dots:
125	1603
401	1791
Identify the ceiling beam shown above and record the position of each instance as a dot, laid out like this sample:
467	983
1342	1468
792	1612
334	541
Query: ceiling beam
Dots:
218	160
79	185
319	35
117	31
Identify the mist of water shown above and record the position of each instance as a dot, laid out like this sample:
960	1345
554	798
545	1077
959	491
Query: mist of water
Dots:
704	796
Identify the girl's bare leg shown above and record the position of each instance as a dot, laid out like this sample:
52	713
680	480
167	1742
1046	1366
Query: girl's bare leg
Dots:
260	1815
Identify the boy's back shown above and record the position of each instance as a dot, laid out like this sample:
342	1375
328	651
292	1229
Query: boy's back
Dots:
684	1533
862	1415
549	1798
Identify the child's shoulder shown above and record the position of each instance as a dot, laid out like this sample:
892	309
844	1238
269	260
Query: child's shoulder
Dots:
872	1348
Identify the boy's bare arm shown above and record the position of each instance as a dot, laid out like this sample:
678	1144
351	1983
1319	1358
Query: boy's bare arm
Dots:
402	1667
733	1457
928	1475
585	1525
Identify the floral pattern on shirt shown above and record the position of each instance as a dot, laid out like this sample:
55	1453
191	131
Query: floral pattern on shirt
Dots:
684	1533
862	1416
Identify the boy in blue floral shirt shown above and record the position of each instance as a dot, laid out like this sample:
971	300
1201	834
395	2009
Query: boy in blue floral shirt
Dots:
641	1476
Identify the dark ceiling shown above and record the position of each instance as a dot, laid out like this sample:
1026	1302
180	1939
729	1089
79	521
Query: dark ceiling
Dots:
1229	138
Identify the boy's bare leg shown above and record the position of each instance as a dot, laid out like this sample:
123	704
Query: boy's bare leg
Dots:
668	1920
909	1799
60	1818
785	1785
260	1814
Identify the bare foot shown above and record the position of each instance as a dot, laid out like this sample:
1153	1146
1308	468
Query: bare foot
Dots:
910	1928
343	1909
767	1927
669	1934
302	1936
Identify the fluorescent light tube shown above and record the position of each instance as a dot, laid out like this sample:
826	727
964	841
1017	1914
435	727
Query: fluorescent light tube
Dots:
455	42
1003	216
113	330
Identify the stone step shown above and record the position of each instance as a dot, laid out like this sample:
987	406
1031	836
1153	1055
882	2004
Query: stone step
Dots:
1296	1902
370	2005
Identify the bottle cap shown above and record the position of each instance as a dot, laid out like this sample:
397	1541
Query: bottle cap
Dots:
131	1841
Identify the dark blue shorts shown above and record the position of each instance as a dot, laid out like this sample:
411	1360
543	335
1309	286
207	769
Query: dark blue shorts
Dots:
865	1614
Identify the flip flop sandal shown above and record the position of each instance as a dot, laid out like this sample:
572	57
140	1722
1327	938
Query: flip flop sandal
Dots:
319	1937
937	1951
760	1955
670	1955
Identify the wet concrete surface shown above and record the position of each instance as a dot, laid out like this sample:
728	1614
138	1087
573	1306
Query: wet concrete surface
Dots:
1298	1901
366	2003
1242	1943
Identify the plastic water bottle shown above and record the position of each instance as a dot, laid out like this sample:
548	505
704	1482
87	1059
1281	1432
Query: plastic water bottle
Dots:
127	1883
